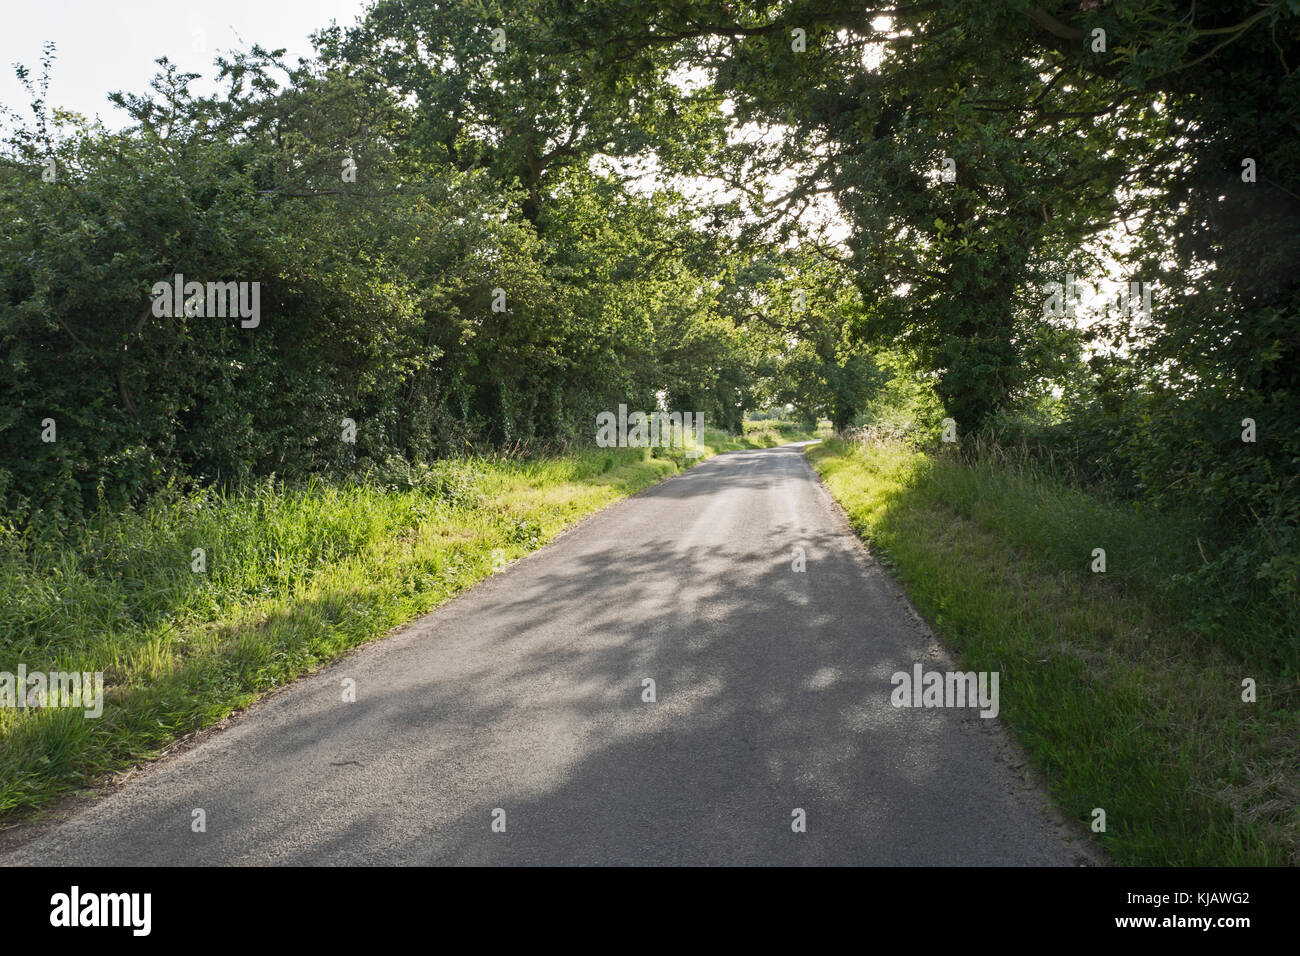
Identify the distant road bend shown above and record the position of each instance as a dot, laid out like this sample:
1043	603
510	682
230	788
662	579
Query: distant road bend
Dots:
522	702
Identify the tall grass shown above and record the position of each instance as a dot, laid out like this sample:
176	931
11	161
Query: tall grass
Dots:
1117	697
295	575
771	432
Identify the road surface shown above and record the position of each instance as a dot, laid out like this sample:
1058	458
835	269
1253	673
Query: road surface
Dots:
522	703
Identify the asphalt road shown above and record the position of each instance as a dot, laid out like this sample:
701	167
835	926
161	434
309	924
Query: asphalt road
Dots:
525	695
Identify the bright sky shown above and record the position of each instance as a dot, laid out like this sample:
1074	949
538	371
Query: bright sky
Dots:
104	46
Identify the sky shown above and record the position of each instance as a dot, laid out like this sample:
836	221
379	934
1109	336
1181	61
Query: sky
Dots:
104	46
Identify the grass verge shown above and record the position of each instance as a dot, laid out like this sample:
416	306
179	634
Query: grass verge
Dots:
1116	698
292	577
773	432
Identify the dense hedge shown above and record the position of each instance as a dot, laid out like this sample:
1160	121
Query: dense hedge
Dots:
411	298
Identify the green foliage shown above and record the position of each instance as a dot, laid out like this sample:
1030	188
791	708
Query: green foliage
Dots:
1104	679
379	294
1067	155
296	575
486	171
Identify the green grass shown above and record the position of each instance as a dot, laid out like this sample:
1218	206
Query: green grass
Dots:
295	576
773	432
1114	695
